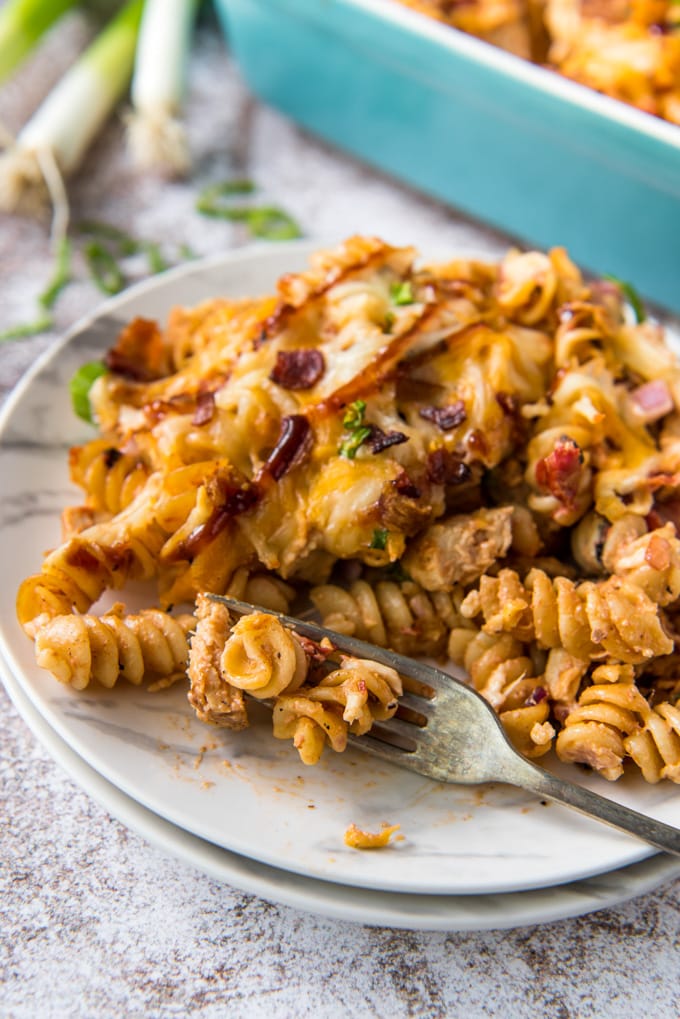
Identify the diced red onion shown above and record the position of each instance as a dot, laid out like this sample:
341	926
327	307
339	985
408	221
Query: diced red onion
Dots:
652	400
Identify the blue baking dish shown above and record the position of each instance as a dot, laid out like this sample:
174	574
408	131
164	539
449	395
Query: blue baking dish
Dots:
513	144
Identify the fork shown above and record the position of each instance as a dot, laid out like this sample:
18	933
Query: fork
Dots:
446	731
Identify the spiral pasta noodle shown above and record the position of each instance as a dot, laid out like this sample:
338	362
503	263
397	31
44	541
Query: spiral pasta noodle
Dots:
590	620
79	650
260	656
612	722
503	674
399	615
110	478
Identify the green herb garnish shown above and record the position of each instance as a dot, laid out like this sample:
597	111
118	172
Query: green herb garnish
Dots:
210	201
353	422
80	386
389	322
20	332
272	224
104	268
632	297
379	539
154	257
125	244
266	221
402	293
61	276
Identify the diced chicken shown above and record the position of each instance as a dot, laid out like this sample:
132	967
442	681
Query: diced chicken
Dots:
460	549
213	699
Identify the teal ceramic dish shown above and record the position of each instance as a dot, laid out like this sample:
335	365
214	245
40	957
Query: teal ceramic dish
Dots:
517	146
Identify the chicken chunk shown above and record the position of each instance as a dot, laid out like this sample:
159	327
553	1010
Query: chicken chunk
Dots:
460	549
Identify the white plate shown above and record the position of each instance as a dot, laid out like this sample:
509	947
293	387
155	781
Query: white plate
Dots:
248	792
360	905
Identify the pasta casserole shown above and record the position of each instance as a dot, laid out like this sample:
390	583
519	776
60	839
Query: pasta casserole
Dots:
626	49
470	461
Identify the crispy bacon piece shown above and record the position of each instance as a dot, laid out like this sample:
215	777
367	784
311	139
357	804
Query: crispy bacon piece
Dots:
445	418
139	353
445	468
205	409
293	444
298	369
379	440
560	471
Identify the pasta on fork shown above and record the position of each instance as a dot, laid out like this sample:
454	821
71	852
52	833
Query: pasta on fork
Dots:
468	460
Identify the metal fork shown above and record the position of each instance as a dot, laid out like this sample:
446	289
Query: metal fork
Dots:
448	732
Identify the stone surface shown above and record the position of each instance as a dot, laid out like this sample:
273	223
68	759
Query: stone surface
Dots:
94	921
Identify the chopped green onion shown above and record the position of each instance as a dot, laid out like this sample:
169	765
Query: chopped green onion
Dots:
80	386
354	415
22	23
126	244
272	224
55	139
156	136
388	324
353	421
210	201
155	258
349	446
402	293
632	297
186	253
20	332
103	267
266	221
61	276
379	539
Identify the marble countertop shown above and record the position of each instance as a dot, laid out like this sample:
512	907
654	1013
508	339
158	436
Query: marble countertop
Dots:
96	922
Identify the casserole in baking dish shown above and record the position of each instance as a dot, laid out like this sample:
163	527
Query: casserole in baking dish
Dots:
511	143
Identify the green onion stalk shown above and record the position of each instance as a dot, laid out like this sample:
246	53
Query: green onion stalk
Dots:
54	141
22	24
156	135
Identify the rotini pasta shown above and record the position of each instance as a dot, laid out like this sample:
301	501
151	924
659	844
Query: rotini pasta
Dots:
261	657
472	460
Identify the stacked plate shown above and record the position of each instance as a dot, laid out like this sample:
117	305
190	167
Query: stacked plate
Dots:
241	807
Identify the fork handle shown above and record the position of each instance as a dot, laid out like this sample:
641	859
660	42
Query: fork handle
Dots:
522	773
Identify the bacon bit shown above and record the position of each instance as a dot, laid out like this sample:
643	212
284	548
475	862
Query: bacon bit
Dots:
652	401
379	440
298	369
294	442
236	500
139	353
560	471
316	652
445	418
444	468
658	552
538	694
405	486
664	513
205	409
